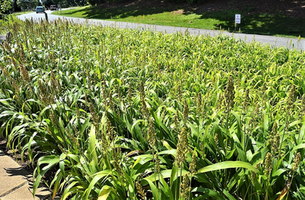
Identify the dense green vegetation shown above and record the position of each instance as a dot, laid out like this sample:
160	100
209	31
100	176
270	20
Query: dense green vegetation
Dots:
177	15
4	23
105	113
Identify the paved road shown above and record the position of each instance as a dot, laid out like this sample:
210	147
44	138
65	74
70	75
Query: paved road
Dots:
291	43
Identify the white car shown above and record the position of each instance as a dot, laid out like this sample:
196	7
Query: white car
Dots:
52	7
39	9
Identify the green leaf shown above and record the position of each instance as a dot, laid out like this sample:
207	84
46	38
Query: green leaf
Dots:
300	146
173	175
266	123
166	189
91	147
50	161
56	185
228	195
208	193
168	152
230	154
301	134
276	174
227	165
194	129
68	190
241	152
153	188
165	174
249	155
165	143
105	191
62	163
96	178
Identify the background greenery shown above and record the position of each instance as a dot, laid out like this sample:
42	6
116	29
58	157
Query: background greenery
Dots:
9	19
177	15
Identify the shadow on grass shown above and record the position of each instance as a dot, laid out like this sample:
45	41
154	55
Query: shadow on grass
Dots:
98	12
263	24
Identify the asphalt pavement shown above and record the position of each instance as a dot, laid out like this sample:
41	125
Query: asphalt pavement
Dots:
291	43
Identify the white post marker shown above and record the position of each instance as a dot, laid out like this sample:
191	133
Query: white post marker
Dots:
237	18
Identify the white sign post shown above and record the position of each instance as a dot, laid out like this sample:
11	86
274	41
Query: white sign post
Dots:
237	18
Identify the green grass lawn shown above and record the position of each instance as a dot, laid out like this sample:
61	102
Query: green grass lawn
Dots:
256	24
168	18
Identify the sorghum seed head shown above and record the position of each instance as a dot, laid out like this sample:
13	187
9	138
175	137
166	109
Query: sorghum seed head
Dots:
54	83
296	162
275	143
185	111
230	94
219	102
22	55
5	72
151	133
110	100
291	97
140	189
15	85
120	94
157	164
176	119
182	147
7	46
129	94
14	62
94	115
192	166
268	164
246	99
185	187
104	91
142	92
253	174
116	161
110	129
145	109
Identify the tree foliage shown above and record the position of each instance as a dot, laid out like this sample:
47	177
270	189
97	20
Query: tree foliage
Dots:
27	4
5	5
98	2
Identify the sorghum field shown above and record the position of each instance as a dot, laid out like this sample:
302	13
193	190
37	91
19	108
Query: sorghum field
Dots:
105	113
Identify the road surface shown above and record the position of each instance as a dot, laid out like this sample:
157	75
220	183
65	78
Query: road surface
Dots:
291	43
